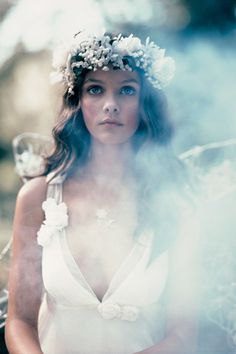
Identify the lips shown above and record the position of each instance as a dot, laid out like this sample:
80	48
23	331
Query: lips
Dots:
110	122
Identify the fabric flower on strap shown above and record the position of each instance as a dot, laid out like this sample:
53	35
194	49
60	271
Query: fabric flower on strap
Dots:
56	218
110	310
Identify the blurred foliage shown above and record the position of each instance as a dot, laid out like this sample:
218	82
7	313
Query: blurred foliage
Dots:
207	15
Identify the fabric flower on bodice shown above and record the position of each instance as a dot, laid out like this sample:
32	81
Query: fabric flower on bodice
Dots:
56	218
110	310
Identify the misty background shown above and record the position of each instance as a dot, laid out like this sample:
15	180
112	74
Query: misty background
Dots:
201	36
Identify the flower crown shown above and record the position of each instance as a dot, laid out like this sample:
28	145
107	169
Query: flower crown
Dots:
94	52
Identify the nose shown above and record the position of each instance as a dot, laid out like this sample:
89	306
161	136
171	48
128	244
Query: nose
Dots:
111	106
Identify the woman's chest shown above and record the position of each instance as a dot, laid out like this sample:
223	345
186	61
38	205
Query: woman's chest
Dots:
101	222
101	243
100	236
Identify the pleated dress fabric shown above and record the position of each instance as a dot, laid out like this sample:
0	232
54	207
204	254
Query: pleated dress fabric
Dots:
129	318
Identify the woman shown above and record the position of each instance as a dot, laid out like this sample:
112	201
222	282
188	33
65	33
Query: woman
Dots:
98	262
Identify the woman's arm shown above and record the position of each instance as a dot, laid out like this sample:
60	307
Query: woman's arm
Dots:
180	338
183	294
25	280
173	343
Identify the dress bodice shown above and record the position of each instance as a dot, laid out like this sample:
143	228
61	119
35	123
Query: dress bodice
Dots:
131	314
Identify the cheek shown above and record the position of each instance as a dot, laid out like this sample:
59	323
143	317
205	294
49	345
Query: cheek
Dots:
133	114
88	111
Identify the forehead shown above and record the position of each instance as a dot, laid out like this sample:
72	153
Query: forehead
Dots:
115	76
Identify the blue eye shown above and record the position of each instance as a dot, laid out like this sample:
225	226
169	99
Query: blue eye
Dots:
95	90
128	90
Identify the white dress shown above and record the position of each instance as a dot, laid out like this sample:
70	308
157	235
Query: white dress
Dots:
131	315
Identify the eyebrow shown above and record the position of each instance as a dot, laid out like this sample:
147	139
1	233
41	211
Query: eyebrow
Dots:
130	81
121	82
93	80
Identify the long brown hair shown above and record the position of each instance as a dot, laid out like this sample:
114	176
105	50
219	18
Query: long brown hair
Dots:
72	139
156	167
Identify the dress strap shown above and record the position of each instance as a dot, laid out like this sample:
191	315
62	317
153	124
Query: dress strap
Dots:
55	188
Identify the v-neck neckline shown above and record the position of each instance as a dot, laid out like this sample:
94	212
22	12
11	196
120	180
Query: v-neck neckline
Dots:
131	259
128	262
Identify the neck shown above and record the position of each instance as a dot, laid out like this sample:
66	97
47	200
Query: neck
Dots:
109	162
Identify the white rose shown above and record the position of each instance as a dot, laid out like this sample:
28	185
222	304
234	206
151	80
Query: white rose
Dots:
155	53
109	310
112	310
45	234
129	45
129	313
163	70
55	214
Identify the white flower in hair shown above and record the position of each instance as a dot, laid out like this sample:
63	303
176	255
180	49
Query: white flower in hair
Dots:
162	71
92	52
167	69
129	45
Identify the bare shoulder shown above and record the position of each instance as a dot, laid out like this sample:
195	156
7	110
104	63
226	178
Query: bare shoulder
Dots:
29	201
33	189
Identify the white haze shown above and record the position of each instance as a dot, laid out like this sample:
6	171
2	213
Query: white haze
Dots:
203	107
202	103
202	95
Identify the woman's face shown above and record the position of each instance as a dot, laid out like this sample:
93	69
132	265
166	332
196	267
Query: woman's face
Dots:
110	105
